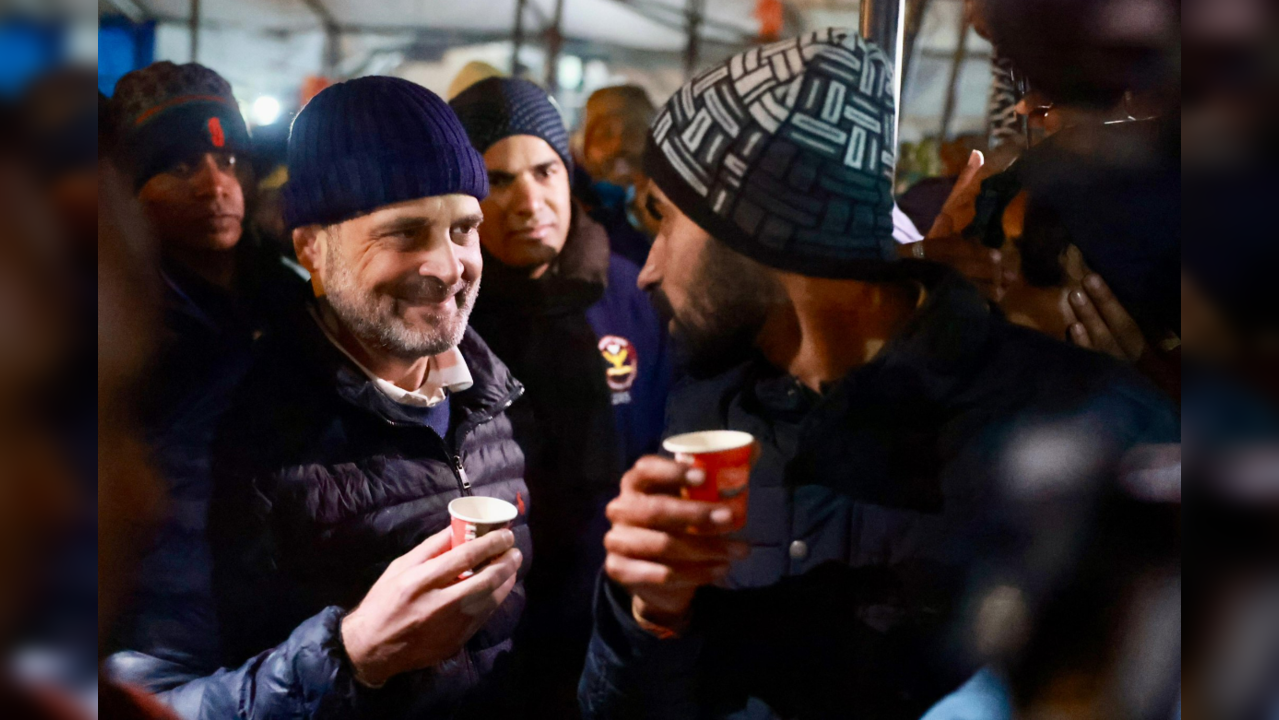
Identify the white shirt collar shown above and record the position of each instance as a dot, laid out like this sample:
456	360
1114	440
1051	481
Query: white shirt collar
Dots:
446	372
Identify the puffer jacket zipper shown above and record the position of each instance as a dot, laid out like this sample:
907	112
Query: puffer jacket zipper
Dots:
464	430
455	453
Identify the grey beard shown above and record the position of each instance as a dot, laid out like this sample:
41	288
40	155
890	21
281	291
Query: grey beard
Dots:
374	322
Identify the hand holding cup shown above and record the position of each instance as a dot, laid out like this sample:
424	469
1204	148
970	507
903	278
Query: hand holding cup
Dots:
664	543
419	613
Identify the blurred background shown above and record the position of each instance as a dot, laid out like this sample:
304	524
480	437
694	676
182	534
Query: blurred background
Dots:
277	53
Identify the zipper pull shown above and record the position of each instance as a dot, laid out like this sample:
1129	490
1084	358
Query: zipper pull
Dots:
461	472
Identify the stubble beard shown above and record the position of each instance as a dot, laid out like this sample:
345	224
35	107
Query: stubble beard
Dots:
725	315
377	320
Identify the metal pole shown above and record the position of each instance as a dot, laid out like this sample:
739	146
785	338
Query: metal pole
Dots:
883	23
517	40
693	14
956	67
332	37
915	11
332	51
195	30
554	41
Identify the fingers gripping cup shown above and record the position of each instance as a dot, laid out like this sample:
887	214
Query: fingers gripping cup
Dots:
725	457
476	516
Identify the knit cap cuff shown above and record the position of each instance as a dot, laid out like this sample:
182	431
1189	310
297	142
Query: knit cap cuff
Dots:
354	185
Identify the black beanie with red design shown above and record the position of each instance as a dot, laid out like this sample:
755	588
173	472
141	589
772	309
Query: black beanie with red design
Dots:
165	114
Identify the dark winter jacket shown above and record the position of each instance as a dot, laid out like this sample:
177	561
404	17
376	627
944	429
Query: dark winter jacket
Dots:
565	425
205	350
859	506
322	481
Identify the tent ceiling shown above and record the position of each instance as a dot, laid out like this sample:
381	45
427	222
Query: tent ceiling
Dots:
642	24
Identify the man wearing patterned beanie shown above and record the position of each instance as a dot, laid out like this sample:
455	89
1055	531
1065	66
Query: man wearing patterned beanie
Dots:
883	395
567	317
337	592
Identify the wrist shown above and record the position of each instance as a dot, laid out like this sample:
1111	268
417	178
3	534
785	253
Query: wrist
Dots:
365	672
662	624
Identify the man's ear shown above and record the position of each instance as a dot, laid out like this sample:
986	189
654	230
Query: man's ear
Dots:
310	244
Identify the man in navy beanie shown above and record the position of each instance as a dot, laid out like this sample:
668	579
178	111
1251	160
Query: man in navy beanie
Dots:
885	396
338	595
565	314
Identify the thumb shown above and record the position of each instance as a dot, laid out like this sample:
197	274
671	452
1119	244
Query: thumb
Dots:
975	162
956	212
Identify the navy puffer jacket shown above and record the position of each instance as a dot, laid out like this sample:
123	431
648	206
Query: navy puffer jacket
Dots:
322	481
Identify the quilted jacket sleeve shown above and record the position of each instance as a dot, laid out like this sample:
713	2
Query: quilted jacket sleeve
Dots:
305	676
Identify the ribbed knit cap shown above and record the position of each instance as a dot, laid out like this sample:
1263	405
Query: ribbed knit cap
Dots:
371	142
497	108
785	153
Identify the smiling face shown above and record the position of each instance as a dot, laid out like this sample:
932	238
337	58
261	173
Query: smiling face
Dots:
403	278
528	210
198	204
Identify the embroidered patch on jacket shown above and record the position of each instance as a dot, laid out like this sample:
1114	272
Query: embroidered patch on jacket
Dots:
622	365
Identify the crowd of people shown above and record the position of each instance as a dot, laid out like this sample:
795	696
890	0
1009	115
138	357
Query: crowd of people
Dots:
964	497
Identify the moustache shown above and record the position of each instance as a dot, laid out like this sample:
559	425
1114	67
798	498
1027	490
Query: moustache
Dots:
433	290
662	304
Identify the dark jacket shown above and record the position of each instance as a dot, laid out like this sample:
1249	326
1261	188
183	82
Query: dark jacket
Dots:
859	506
321	481
636	350
565	425
205	349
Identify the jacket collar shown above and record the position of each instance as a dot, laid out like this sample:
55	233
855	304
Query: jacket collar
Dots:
493	387
882	422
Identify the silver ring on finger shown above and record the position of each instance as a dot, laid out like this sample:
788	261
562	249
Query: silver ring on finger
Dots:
917	250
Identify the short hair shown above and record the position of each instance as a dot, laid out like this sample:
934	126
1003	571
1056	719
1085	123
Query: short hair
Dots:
631	102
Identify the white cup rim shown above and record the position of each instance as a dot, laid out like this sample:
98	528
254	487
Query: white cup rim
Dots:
497	510
707	441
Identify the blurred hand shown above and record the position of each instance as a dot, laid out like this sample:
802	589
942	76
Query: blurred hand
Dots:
981	265
945	243
651	551
1102	324
418	614
960	207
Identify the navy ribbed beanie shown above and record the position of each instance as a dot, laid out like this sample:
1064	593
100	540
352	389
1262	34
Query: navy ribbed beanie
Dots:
371	142
497	108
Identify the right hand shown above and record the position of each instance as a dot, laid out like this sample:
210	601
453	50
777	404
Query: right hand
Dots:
651	551
945	243
419	614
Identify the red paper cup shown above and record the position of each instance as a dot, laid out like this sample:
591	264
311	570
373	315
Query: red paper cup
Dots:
725	457
477	516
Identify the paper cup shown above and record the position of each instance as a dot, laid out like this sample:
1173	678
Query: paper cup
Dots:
725	457
476	516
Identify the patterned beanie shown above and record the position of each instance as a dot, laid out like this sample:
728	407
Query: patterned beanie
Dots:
785	153
371	142
497	108
164	113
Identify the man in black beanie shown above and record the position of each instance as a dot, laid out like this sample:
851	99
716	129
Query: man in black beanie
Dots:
565	314
882	394
177	133
338	595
